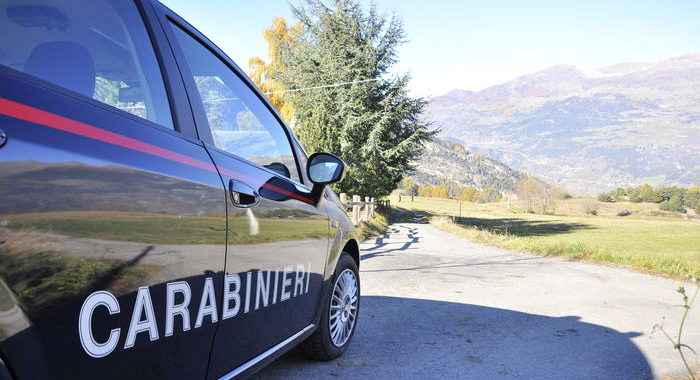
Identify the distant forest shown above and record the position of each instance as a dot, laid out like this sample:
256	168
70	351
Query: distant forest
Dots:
451	190
676	199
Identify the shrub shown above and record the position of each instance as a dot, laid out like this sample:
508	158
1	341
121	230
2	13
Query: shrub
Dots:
590	207
676	204
605	197
624	213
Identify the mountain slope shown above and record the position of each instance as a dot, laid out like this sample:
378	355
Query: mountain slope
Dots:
621	125
447	160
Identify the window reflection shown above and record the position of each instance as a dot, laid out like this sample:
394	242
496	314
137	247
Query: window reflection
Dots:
240	122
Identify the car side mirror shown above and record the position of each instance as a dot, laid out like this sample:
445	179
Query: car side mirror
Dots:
323	169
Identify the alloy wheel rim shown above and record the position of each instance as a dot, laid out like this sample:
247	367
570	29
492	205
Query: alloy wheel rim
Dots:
343	310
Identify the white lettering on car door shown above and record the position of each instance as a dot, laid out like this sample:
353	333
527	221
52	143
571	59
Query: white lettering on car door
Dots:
263	290
288	283
90	345
231	295
274	292
247	292
142	305
299	280
172	309
207	306
285	283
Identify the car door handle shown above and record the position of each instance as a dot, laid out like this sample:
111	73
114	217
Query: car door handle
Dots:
242	194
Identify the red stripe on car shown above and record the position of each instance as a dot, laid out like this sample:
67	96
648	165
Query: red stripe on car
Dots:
51	120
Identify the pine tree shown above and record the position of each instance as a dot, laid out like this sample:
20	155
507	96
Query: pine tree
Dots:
373	125
692	198
676	204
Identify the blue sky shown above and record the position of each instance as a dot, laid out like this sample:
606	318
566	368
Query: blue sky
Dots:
475	44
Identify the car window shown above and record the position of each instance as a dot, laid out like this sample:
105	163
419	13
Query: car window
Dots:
240	122
99	48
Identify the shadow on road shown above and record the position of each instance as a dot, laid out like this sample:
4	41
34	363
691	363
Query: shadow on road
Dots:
512	226
422	339
523	227
381	247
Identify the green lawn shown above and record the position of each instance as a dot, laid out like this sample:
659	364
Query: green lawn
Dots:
656	244
166	229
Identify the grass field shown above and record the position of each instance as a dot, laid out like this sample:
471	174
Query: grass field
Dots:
655	244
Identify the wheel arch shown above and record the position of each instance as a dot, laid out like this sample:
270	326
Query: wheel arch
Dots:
353	249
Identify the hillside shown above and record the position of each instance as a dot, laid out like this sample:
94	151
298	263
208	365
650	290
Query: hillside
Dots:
589	132
33	186
447	160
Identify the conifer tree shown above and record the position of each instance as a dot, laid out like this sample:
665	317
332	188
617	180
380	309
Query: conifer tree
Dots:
373	123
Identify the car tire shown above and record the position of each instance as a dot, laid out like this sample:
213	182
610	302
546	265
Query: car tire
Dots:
340	310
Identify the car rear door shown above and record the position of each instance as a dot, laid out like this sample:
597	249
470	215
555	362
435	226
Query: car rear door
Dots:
112	214
278	235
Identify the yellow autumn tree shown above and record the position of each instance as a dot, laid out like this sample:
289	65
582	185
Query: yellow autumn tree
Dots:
469	194
440	191
264	74
529	190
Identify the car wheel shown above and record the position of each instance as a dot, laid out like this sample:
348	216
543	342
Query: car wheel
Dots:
339	315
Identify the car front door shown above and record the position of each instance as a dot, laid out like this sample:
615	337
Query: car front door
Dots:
277	234
112	214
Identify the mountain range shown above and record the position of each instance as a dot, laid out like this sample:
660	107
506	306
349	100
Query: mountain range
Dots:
587	131
446	160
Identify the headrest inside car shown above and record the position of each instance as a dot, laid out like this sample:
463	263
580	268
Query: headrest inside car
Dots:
65	63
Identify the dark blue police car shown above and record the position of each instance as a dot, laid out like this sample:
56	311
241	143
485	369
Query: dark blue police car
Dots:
157	217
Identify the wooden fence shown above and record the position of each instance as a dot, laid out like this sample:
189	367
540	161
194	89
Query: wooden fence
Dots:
359	210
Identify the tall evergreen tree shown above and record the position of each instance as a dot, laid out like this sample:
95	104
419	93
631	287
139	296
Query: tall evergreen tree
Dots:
373	125
676	204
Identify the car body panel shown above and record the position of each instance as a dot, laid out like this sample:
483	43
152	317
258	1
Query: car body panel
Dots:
278	248
95	199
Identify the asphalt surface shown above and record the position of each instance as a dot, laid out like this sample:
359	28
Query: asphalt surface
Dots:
435	305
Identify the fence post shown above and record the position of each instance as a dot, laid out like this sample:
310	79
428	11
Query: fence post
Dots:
371	207
355	210
367	208
344	199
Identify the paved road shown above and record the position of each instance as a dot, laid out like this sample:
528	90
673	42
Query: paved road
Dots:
438	306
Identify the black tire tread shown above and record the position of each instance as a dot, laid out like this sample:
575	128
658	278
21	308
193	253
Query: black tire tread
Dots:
313	348
317	346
